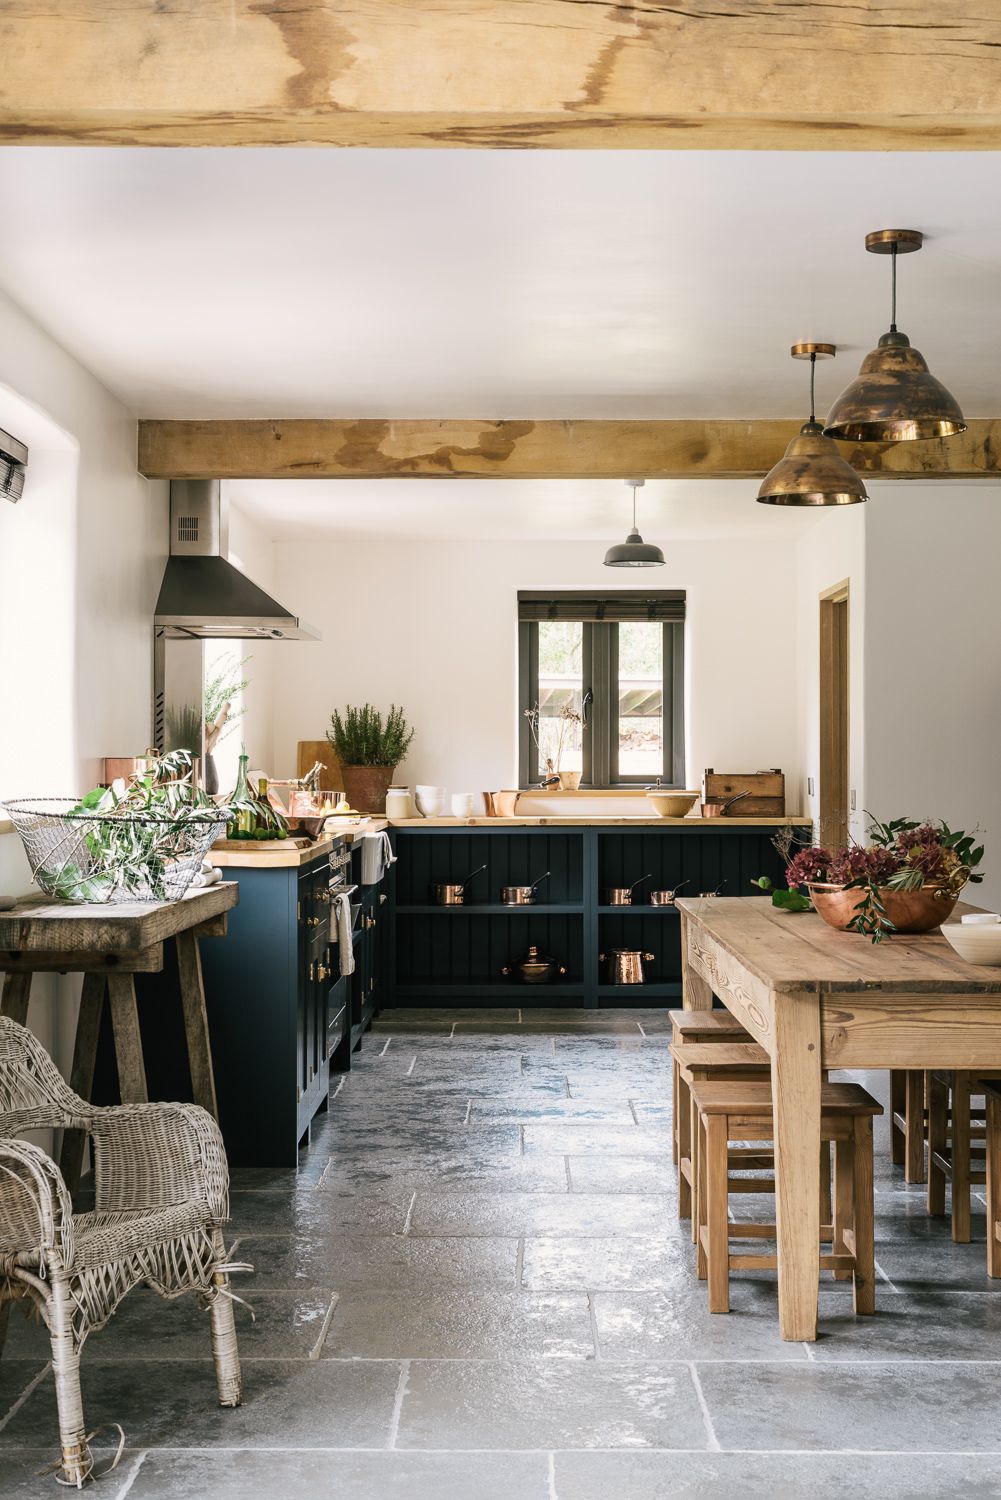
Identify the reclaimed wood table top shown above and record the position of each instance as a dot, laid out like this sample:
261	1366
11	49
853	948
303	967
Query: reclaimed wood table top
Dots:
39	924
798	951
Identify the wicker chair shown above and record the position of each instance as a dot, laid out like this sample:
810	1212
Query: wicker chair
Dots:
161	1200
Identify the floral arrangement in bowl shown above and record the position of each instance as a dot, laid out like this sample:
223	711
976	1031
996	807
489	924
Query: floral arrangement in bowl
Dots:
909	877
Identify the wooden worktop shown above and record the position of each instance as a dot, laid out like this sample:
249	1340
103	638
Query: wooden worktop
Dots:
581	820
284	855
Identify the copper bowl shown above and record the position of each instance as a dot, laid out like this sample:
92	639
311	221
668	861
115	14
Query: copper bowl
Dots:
909	911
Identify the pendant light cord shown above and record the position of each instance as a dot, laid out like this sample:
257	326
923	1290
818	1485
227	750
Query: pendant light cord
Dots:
813	372
893	290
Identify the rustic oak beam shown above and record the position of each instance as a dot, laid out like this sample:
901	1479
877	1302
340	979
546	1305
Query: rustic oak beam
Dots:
748	74
373	448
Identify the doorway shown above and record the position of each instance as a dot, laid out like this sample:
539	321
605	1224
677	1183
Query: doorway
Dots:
834	790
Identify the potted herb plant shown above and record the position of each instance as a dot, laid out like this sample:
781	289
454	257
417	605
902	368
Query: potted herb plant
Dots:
907	878
369	747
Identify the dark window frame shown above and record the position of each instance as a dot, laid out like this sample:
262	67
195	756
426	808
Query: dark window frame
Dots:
600	738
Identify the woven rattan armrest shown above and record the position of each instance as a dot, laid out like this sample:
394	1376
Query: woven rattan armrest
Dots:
35	1208
150	1155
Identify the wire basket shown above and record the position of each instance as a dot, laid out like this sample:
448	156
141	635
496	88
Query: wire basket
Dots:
112	857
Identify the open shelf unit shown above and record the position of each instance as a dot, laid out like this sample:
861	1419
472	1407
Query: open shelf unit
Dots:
458	961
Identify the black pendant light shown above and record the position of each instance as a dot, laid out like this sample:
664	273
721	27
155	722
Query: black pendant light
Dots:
634	552
812	471
895	398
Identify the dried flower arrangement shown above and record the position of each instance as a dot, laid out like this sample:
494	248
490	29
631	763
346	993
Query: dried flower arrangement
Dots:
900	856
569	723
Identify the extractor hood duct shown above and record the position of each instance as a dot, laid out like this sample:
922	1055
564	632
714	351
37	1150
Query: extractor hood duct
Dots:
202	595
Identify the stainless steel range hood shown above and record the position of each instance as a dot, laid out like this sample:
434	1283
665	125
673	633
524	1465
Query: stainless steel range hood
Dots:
202	595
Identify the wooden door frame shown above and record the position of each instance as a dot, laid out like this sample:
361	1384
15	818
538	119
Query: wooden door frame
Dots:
835	712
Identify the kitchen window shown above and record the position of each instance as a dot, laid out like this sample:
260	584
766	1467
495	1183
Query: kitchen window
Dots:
602	682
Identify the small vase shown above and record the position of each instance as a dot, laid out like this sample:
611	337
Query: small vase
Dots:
909	911
570	781
366	786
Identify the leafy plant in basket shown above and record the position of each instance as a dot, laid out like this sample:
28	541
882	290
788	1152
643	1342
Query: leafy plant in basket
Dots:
144	843
909	877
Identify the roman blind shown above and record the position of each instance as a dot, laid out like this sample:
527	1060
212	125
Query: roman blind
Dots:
624	604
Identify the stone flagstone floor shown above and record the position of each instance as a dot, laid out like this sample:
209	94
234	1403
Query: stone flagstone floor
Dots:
476	1287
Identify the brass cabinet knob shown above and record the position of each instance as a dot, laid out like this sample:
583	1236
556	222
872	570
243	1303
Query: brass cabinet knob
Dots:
322	972
324	896
312	921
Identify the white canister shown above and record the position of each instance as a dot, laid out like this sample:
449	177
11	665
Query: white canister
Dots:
399	803
463	804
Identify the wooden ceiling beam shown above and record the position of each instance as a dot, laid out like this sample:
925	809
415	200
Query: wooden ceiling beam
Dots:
748	74
373	448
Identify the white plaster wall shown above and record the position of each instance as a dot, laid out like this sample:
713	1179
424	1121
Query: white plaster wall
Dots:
252	552
433	626
932	736
77	671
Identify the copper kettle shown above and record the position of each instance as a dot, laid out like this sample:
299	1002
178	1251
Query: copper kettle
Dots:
536	968
625	965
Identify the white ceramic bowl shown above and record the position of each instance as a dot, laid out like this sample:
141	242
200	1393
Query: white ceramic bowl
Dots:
430	800
463	804
976	944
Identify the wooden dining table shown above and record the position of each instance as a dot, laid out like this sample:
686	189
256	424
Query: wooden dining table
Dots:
816	998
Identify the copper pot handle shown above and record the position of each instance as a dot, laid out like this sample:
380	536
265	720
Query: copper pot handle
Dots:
648	958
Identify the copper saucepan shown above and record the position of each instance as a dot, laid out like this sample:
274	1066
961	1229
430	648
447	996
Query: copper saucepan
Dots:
453	895
622	895
625	965
666	898
521	895
719	807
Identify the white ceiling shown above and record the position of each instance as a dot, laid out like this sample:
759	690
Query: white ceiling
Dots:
491	284
512	510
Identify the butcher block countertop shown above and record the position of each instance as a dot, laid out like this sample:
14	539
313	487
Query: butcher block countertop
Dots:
286	854
648	820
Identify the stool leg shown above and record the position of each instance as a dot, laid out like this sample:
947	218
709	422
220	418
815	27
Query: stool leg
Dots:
938	1117
914	1145
993	1183
898	1104
864	1280
826	1210
675	1117
844	1192
701	1198
683	1143
717	1223
695	1138
961	1157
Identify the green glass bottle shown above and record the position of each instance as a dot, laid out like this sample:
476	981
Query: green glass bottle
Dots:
242	825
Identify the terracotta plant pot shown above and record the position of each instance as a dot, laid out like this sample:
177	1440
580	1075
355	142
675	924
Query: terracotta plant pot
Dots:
366	786
909	911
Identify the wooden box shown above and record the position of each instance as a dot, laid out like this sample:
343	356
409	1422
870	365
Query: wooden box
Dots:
767	791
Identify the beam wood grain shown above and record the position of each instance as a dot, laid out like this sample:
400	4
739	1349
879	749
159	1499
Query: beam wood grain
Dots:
748	74
384	448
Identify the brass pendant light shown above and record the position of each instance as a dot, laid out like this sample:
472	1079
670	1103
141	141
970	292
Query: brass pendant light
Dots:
634	552
894	398
812	471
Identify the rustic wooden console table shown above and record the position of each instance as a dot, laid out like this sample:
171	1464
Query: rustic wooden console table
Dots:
109	945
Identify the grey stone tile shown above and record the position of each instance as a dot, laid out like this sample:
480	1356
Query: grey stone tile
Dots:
515	1174
294	1404
550	1111
677	1324
637	1262
861	1407
554	1403
622	1174
317	1212
345	1262
318	1475
594	1140
434	1019
538	1214
22	1478
917	1262
285	1325
280	1179
921	1325
766	1476
459	1323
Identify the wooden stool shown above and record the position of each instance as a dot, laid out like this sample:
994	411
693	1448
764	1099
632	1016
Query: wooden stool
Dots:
908	1120
992	1092
742	1111
956	1144
698	1027
700	1063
